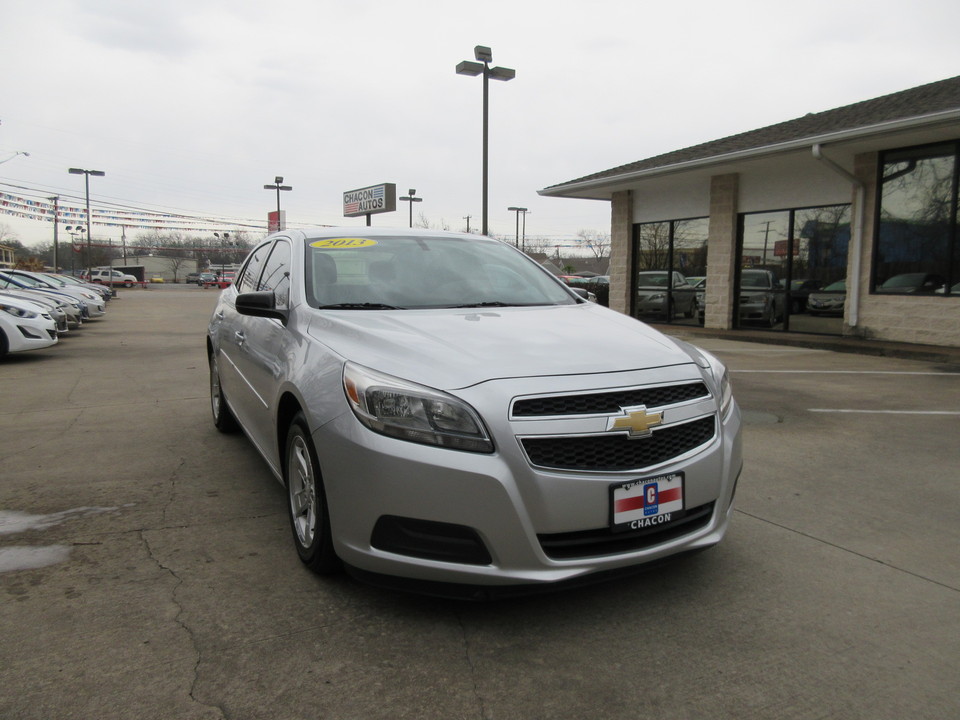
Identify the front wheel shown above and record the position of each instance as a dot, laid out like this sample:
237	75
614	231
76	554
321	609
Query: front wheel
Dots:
309	517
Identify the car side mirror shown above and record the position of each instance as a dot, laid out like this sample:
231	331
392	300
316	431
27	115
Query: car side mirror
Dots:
262	303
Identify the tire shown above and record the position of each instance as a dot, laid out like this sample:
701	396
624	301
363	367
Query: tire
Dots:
4	345
307	501
223	419
128	284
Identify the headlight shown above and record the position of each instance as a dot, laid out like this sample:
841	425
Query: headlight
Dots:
721	379
18	312
412	412
657	296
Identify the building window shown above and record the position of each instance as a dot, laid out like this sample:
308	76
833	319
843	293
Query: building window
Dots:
670	258
917	251
792	269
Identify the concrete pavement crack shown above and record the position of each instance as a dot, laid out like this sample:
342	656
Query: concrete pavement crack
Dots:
186	628
473	669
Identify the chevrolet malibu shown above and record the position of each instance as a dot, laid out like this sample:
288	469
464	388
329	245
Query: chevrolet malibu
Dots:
415	393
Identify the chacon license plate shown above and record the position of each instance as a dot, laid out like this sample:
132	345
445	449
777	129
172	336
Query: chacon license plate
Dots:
646	503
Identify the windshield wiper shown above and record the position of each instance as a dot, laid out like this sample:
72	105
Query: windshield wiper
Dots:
359	306
489	303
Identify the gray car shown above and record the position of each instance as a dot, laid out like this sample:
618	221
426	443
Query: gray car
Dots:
416	394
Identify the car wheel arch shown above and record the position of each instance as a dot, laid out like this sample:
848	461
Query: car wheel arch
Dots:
288	407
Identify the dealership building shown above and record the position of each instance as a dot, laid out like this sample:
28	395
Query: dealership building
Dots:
842	222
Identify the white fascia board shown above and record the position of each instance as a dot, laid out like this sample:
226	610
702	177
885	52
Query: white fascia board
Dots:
877	130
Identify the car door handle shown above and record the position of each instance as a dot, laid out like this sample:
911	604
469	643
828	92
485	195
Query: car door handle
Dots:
219	315
239	337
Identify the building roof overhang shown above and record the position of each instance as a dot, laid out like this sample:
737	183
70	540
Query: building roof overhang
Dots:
737	153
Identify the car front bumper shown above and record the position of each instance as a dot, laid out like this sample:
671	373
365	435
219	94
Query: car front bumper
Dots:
504	518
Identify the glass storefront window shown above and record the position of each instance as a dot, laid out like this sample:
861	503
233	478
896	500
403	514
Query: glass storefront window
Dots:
793	265
916	245
671	257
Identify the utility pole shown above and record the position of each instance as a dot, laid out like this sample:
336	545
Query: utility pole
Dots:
467	218
56	223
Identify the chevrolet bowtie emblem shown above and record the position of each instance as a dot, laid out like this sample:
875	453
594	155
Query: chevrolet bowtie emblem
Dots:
637	422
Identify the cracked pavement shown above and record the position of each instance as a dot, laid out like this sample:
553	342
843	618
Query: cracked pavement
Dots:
178	593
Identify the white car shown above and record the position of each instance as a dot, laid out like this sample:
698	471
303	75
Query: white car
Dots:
24	326
106	276
94	302
416	393
72	308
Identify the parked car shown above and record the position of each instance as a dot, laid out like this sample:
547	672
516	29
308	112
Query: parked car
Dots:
913	284
220	280
652	294
109	276
68	306
799	293
49	305
24	326
415	392
192	278
11	278
829	300
69	281
761	297
205	277
93	301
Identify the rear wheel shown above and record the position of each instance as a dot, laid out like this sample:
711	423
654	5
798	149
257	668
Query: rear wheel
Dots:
223	419
309	517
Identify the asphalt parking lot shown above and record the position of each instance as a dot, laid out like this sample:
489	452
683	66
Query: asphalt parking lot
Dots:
146	569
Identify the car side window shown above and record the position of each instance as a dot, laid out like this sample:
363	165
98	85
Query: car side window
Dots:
276	274
247	282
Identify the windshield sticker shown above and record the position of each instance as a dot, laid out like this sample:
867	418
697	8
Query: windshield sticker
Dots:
343	243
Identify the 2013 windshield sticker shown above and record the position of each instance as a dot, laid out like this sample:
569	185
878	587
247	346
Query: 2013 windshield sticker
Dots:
343	243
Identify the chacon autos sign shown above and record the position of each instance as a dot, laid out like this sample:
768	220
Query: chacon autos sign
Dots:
370	200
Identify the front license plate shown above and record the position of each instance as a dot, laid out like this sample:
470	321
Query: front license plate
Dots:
646	503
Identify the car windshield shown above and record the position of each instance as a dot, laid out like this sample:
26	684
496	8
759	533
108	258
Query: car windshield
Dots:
753	279
838	286
426	271
910	280
652	279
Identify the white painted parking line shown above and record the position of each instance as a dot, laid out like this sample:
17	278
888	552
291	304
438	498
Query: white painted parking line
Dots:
885	412
844	372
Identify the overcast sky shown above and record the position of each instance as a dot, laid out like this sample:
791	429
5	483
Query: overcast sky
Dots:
194	105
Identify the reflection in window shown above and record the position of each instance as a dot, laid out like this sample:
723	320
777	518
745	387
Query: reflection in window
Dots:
917	249
659	247
276	274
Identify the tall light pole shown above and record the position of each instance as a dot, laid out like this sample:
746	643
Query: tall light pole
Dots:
411	199
278	186
86	181
484	55
519	210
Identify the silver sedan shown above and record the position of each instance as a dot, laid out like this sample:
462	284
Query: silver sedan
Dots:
443	410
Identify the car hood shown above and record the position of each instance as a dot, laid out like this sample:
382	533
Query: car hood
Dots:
450	349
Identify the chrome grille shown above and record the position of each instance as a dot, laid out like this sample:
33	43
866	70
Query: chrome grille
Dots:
616	451
608	402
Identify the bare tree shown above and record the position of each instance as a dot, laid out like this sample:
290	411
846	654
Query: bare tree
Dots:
653	246
596	242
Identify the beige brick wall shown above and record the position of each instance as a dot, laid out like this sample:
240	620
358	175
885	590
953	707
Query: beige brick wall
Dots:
722	250
621	250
